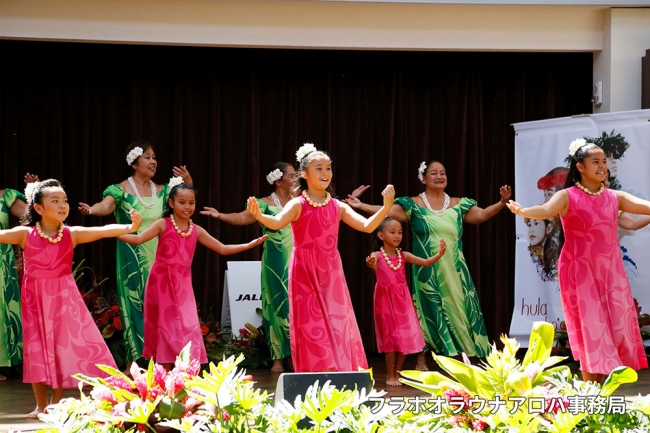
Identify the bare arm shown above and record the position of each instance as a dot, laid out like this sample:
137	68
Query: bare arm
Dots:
415	260
396	211
242	218
626	221
290	213
155	229
477	215
103	208
225	250
14	236
558	204
18	208
368	225
629	203
82	235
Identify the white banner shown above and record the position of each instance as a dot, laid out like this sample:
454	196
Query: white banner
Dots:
242	295
540	170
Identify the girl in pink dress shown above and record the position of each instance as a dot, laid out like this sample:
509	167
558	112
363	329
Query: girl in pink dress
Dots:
596	298
322	327
59	334
396	323
170	316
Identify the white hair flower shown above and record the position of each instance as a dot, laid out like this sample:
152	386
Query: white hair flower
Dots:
274	175
30	190
304	150
575	145
173	181
133	154
421	170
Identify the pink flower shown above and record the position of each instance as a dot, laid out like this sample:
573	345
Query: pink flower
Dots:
244	332
154	393
190	402
479	425
532	370
225	415
159	374
141	384
120	382
174	382
103	393
194	368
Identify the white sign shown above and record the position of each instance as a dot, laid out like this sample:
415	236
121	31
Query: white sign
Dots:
242	295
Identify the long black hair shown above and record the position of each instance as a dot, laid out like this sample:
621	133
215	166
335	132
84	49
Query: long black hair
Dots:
378	243
144	145
31	217
168	210
579	156
300	184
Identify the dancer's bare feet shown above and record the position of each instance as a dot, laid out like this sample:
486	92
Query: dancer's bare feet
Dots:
391	381
3	377
34	414
277	366
421	364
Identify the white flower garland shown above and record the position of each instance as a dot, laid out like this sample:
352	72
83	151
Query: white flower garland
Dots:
133	154
174	181
575	145
421	170
304	150
30	191
274	175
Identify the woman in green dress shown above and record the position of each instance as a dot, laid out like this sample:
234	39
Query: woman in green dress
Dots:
137	192
444	294
275	261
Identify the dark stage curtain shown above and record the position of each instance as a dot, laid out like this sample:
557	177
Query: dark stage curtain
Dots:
68	111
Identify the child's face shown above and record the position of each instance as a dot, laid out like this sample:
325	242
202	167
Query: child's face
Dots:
184	204
391	233
318	173
594	166
536	232
146	164
54	204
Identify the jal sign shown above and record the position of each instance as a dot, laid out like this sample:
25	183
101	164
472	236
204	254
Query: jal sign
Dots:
242	293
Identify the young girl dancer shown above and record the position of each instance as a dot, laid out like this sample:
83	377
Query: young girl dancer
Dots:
596	298
60	337
170	315
396	322
323	330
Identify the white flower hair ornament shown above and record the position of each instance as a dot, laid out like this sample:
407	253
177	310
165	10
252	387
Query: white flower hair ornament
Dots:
576	145
421	170
133	154
304	150
274	175
175	181
30	191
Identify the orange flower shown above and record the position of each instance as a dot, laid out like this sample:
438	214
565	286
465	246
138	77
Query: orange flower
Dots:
204	330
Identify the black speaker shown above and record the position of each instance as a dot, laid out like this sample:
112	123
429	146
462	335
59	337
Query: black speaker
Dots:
290	385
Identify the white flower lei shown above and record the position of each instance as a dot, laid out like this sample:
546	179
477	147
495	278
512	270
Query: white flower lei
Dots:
421	170
575	145
30	191
133	154
173	181
304	150
274	175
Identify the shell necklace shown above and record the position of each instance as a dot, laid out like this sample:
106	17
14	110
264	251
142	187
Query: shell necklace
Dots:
437	213
137	193
324	203
388	261
44	236
599	192
179	231
276	200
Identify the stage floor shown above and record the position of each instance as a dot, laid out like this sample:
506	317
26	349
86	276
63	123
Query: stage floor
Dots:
16	398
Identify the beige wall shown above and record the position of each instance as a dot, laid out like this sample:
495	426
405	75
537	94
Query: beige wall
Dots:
617	36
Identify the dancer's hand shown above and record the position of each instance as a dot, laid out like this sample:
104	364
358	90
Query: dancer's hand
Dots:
354	202
514	207
371	261
211	212
85	209
359	191
184	173
505	191
443	247
254	208
258	241
389	195
136	220
31	178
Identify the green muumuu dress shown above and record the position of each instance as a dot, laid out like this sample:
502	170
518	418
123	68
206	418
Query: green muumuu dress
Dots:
133	264
11	331
444	294
275	277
